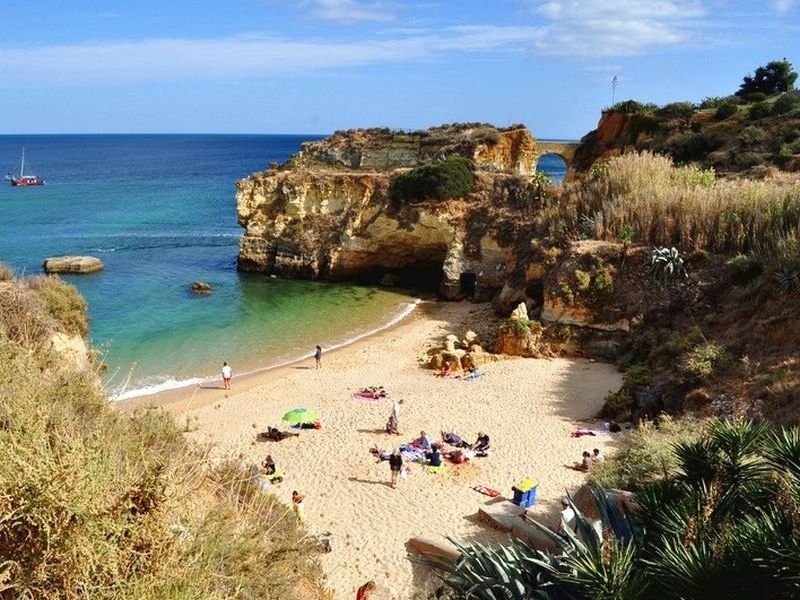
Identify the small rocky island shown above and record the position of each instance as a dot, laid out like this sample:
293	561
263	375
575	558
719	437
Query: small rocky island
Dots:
72	264
335	210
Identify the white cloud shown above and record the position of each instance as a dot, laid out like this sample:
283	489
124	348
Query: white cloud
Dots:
244	57
604	28
349	11
783	6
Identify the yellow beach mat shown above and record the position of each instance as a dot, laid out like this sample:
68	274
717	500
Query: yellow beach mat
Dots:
435	470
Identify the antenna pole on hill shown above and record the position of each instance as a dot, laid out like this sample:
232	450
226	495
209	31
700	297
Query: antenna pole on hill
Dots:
614	82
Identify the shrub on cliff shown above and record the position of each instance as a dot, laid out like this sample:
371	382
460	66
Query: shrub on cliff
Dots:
62	302
647	453
100	505
631	107
784	104
451	178
725	110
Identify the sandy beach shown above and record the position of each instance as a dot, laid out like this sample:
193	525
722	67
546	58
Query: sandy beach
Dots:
528	406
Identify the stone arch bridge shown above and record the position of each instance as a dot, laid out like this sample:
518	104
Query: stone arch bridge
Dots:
566	150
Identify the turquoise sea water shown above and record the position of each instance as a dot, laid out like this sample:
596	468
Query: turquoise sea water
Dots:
160	211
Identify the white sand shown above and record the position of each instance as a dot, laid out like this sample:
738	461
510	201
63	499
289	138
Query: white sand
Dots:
529	407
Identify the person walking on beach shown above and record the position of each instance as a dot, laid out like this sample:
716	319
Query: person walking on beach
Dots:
318	357
297	506
395	466
227	373
393	426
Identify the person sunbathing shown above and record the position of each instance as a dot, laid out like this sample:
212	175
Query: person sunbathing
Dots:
482	444
453	439
457	457
380	454
276	435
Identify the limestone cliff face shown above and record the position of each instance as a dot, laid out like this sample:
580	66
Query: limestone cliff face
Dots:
327	212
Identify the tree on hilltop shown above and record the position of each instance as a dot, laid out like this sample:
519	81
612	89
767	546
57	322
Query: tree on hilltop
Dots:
775	77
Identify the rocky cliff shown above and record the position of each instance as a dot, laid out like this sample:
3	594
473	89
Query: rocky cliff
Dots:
328	212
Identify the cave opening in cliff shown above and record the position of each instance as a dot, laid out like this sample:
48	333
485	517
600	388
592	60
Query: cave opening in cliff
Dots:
535	292
467	283
554	166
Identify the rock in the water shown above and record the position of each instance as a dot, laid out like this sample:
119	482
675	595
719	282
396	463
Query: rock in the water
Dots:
72	264
201	287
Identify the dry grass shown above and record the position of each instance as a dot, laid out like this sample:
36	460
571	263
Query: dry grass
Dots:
94	504
62	302
682	206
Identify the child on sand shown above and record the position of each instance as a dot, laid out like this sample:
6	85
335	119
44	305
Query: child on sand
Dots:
585	464
318	357
297	506
227	373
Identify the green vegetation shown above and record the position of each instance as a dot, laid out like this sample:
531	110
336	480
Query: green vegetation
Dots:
725	110
784	104
647	454
708	133
706	359
760	110
717	519
666	264
775	77
522	327
96	504
450	178
631	107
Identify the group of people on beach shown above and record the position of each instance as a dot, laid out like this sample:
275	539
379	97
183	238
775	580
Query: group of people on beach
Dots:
431	453
589	460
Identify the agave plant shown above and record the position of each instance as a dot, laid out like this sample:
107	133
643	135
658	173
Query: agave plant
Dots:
666	264
727	525
788	279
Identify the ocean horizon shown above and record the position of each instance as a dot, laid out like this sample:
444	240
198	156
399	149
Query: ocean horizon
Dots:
160	211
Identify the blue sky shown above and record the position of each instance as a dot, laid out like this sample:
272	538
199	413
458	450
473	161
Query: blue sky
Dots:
314	66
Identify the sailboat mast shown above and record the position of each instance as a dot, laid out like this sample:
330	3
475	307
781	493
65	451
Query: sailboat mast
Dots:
22	164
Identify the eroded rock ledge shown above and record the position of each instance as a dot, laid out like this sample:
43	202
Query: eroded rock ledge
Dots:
327	212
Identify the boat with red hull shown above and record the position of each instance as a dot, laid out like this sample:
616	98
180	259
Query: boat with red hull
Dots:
24	180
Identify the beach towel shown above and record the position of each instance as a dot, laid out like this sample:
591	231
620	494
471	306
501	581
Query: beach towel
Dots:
472	376
486	491
581	431
435	470
368	396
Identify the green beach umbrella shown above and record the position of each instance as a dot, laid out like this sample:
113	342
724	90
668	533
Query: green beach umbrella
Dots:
301	415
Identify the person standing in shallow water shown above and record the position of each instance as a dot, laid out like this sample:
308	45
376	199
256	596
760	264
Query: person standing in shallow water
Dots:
227	373
318	357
